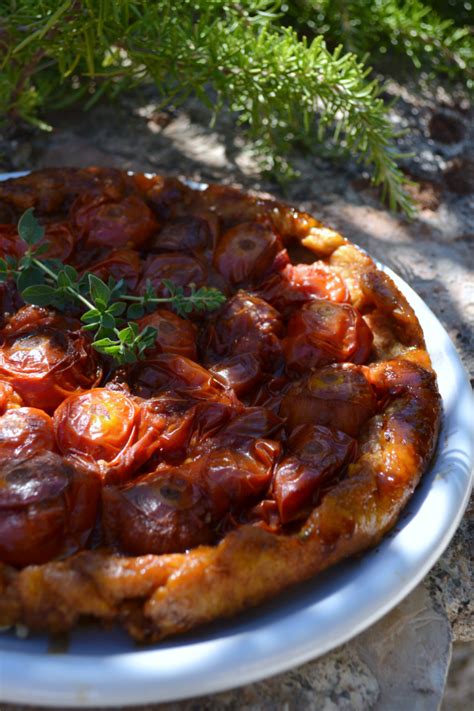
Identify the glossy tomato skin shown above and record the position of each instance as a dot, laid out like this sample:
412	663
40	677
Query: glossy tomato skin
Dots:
44	361
47	509
106	431
166	511
180	375
337	396
165	196
9	399
317	455
100	222
25	432
182	269
119	264
322	332
295	284
186	234
245	324
246	252
241	372
174	334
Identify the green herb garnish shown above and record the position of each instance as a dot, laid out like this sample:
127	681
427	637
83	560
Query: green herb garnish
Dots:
109	312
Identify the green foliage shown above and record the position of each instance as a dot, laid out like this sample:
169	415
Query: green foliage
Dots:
432	35
51	283
253	58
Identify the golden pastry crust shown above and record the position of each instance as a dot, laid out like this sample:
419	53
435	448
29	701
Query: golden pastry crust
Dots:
155	596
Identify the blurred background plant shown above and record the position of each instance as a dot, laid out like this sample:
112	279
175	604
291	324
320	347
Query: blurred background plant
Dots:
293	73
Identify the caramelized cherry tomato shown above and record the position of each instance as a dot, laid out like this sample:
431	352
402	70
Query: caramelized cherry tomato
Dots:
107	431
337	396
174	334
241	372
106	223
10	243
322	332
245	324
318	455
295	284
163	512
166	196
188	234
178	374
246	252
119	264
230	204
181	269
47	509
46	364
9	399
25	432
58	237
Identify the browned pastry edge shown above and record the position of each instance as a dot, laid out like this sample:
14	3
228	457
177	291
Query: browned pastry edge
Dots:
157	596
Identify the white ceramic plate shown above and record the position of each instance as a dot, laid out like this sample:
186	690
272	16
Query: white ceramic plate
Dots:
105	668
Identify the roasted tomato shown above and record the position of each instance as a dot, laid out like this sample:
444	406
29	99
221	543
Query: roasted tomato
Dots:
106	431
246	252
25	432
174	334
188	234
317	455
58	237
291	287
163	512
245	324
178	374
164	195
9	399
100	222
241	372
322	332
337	396
119	264
47	509
230	204
43	361
181	269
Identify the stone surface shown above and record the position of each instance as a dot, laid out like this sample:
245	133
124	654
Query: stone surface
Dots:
402	661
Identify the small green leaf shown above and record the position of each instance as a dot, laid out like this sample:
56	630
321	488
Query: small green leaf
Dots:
117	309
40	295
99	291
30	276
29	228
135	311
126	335
107	321
91	315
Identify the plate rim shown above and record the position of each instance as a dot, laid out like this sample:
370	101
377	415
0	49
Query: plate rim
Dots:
84	679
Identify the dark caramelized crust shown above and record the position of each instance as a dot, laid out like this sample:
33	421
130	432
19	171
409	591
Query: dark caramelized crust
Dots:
209	468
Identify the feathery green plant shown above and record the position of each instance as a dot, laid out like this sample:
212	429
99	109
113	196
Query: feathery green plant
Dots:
243	56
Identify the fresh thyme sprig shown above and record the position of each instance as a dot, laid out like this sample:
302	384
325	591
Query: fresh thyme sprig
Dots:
109	312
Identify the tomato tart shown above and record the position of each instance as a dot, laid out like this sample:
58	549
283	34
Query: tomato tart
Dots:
246	449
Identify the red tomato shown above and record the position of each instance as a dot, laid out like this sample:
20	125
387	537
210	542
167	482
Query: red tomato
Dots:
100	222
163	512
241	372
25	432
174	334
172	373
318	455
245	324
246	252
47	509
295	284
181	269
8	398
337	396
58	237
322	332
188	234
166	196
230	204
107	431
119	264
46	364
